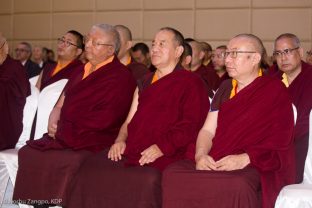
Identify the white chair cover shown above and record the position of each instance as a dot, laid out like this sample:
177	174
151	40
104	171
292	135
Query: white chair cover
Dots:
299	195
46	101
42	102
29	113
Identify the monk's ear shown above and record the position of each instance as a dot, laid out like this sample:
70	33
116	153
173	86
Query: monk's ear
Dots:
129	44
201	55
179	50
188	59
257	58
78	52
300	52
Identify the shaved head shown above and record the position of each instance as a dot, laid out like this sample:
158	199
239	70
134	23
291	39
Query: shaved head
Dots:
124	32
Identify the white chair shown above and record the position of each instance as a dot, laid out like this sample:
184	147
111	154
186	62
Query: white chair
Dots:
46	101
299	195
42	102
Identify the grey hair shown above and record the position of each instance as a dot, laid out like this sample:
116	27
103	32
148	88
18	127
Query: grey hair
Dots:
112	32
291	36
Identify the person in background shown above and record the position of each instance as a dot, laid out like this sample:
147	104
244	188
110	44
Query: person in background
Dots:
23	53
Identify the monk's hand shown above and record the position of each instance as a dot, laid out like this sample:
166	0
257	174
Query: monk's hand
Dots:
53	119
52	130
150	154
233	162
116	151
205	162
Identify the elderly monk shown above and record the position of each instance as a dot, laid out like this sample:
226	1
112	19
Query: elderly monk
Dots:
86	119
14	88
244	152
137	69
163	121
297	76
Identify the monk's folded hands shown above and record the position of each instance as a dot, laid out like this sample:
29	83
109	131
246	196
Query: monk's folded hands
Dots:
116	151
150	154
233	162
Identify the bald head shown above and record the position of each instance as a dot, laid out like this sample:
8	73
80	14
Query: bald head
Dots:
253	42
124	32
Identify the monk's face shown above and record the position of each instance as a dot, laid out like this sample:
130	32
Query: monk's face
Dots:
218	59
163	52
98	46
140	57
67	47
241	59
288	56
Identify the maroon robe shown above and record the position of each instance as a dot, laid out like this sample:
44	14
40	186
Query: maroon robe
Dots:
300	91
254	123
14	88
92	113
138	70
210	78
167	116
71	70
66	73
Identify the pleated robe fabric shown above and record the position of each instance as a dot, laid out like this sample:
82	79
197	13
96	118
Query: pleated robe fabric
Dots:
257	121
170	113
93	111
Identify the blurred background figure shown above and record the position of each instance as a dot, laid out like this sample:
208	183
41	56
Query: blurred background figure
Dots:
309	57
23	54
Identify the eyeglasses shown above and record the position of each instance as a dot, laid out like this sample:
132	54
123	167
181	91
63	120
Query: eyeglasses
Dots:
2	45
66	42
309	53
21	50
233	54
94	43
286	52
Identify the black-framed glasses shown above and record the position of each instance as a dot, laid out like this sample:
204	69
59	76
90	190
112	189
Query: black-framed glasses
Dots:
233	54
286	52
94	43
2	44
66	42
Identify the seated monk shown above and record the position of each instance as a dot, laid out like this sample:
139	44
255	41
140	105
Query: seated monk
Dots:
245	151
297	77
52	80
14	88
86	119
168	109
137	69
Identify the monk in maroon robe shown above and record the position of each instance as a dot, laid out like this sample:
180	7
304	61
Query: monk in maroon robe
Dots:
93	108
165	117
297	76
69	48
244	152
138	70
207	74
14	88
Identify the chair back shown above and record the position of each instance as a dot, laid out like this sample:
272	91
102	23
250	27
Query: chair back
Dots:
46	102
307	176
29	112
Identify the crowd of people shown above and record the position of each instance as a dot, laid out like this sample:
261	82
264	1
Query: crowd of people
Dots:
177	124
